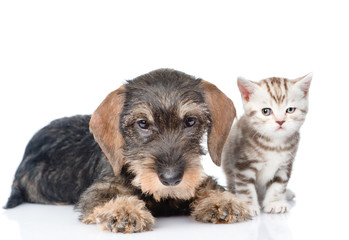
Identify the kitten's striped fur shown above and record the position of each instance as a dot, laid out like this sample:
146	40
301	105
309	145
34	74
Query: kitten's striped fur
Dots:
260	151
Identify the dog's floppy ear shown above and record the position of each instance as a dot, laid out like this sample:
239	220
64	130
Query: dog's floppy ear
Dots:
222	114
104	125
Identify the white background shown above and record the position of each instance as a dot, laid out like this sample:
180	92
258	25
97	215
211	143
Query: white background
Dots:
61	58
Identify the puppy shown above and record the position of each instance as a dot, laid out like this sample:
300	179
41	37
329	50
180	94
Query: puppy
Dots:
137	157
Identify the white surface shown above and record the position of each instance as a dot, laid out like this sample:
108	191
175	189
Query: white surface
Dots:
61	58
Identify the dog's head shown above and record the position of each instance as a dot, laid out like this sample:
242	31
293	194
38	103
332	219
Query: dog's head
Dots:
154	125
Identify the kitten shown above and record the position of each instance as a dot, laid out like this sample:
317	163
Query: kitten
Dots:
262	145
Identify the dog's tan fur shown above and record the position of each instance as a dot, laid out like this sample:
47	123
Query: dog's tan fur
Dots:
128	213
104	125
147	179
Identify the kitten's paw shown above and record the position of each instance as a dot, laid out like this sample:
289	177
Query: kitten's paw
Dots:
254	210
276	207
221	207
124	214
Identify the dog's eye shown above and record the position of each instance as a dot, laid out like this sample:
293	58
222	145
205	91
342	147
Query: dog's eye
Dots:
190	121
143	124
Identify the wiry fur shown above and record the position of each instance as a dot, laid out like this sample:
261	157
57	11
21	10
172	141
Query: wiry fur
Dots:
260	150
141	160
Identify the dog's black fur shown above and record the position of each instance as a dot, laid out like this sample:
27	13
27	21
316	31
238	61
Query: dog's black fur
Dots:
60	162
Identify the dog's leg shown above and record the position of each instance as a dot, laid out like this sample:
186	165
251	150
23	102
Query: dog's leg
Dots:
213	204
113	207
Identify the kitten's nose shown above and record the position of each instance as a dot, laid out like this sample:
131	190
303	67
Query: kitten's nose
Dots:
280	122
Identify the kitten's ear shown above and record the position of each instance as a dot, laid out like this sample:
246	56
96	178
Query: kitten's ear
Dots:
246	88
304	83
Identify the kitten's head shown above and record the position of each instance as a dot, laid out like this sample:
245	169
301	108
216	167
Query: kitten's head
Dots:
276	107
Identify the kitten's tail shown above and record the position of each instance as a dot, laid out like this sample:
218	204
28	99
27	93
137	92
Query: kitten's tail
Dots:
290	195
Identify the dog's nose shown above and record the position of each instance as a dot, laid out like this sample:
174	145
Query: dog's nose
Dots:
170	178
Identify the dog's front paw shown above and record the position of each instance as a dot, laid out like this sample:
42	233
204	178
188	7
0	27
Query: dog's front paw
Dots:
276	207
221	207
124	214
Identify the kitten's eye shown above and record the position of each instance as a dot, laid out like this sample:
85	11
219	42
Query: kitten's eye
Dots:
190	121
266	111
290	110
143	124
